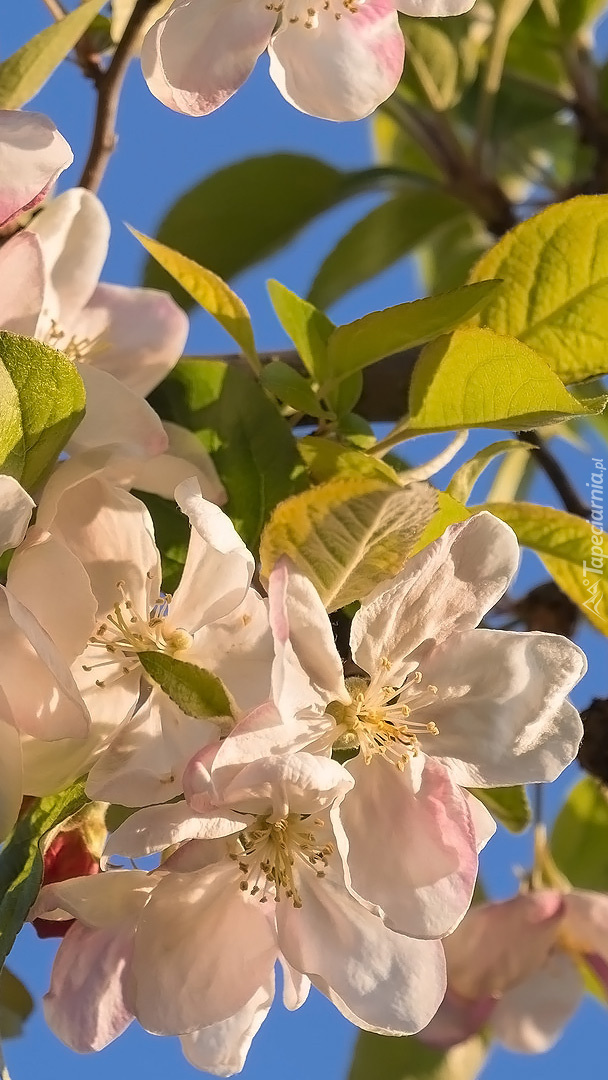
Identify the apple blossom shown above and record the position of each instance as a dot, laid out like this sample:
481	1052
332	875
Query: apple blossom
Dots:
124	339
438	707
100	538
334	59
32	155
517	967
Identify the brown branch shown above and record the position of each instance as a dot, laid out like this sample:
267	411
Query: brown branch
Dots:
109	86
556	474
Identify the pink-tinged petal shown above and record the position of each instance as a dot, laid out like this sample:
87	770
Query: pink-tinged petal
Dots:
343	68
145	760
11	770
41	693
456	1020
156	828
447	587
501	706
15	512
101	901
198	55
74	232
383	981
116	416
32	155
290	783
136	335
530	1018
484	825
497	946
48	578
433	8
85	1005
222	1048
411	846
586	922
308	669
218	567
202	949
22	277
184	459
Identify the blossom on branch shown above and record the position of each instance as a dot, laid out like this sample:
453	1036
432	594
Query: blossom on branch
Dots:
33	154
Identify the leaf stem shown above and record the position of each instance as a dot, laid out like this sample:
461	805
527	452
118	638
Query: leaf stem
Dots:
109	85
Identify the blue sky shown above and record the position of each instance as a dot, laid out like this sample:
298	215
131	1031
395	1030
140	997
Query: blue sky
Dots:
161	154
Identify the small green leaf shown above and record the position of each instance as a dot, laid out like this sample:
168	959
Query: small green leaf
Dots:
554	269
208	290
172	532
565	544
253	447
449	512
509	805
379	1057
308	328
42	401
21	862
16	1004
382	333
465	478
194	690
478	378
27	70
326	459
348	535
579	842
291	388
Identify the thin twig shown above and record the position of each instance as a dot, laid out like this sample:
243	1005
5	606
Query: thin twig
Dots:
556	474
109	86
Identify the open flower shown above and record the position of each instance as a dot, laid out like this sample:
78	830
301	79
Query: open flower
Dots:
100	538
32	155
517	966
337	59
438	707
125	340
38	695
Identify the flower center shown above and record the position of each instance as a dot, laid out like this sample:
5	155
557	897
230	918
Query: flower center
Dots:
124	634
379	718
308	15
268	854
76	349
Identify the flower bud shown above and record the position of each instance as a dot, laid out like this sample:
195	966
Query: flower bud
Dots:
72	852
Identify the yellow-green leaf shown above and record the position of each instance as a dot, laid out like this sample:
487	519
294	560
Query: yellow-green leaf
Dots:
382	333
378	1057
326	458
308	328
509	805
27	70
16	1004
213	294
465	478
566	545
579	841
196	691
554	294
449	512
478	378
348	535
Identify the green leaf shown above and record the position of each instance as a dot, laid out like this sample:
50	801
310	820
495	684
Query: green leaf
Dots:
477	378
565	543
449	512
246	211
326	459
348	535
208	290
382	333
379	1057
388	233
194	690
446	258
253	448
308	328
42	401
16	1004
579	841
21	862
573	14
509	805
286	384
27	70
554	294
465	478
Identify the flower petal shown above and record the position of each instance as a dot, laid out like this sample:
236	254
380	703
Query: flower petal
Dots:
185	457
195	57
22	276
530	1017
411	846
447	587
433	8
11	770
32	155
290	783
501	709
116	416
238	649
101	901
15	512
587	921
222	1048
344	67
155	828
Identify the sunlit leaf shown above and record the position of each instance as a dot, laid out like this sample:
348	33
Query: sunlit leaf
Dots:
509	805
465	478
579	841
194	690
